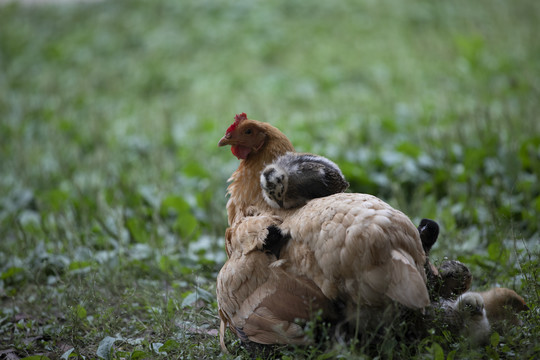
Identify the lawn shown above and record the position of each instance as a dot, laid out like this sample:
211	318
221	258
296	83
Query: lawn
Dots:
112	187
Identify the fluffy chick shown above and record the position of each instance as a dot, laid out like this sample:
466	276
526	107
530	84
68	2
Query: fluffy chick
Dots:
456	278
467	316
294	179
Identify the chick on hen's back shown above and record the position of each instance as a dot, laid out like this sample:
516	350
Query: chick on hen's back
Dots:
295	178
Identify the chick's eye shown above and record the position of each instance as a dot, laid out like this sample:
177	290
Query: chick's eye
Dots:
248	132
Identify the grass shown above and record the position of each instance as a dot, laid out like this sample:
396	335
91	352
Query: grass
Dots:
112	188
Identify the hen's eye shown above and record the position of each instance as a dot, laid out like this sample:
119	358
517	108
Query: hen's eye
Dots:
248	132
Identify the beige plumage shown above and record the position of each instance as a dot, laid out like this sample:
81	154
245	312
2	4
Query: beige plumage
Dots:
258	299
357	248
352	249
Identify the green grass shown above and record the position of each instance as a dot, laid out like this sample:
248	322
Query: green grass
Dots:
112	188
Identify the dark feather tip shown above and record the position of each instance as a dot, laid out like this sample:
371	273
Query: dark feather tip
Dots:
429	232
275	240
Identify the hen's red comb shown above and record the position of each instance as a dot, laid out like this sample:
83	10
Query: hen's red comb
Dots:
237	120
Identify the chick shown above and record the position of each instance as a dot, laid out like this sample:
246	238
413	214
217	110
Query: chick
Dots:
294	179
456	278
467	316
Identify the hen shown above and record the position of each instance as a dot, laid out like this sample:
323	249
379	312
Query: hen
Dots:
349	249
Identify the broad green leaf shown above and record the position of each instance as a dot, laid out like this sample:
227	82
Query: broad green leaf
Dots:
171	307
205	295
186	224
105	346
492	353
451	355
437	351
497	252
175	203
11	272
529	152
495	339
156	348
67	354
150	195
81	312
139	354
169	345
78	265
55	199
137	229
194	169
409	148
537	204
190	299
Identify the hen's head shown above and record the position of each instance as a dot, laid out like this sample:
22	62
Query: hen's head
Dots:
249	136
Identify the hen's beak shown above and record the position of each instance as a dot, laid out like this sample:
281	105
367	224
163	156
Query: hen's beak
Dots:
226	140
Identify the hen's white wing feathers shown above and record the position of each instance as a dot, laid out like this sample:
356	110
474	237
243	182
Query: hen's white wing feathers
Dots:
406	284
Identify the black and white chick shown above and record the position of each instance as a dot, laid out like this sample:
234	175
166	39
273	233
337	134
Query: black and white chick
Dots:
295	178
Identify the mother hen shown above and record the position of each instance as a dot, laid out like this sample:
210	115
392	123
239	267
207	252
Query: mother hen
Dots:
348	249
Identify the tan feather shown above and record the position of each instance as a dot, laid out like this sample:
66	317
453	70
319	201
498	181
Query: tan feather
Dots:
407	286
222	326
261	301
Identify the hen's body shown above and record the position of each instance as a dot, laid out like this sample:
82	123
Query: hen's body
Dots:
350	248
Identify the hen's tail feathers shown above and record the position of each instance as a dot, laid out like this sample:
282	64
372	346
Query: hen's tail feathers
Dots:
222	327
407	286
264	327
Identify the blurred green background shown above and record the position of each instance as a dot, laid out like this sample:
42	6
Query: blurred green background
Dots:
112	187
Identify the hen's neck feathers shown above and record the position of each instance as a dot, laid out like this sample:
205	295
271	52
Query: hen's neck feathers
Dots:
245	189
